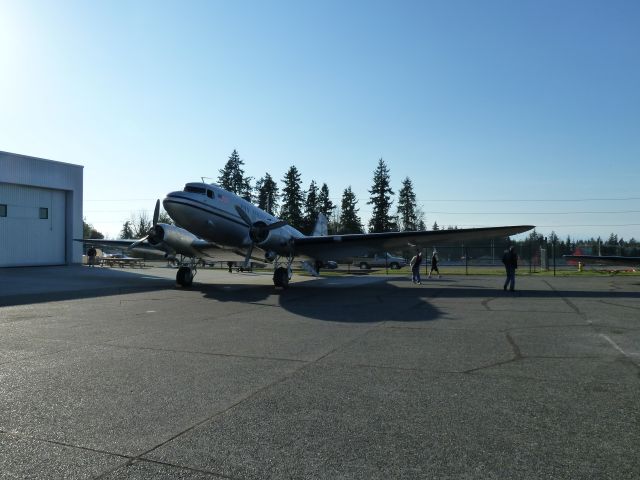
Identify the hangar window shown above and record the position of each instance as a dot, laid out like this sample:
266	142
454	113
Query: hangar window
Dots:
44	213
3	210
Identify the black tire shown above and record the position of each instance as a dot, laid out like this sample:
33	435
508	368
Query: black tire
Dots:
394	266
364	266
184	277
281	277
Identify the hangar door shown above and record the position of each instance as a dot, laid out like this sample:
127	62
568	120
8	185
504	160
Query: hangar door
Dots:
32	226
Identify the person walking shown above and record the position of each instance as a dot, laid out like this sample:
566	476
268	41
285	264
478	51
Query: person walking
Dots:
415	267
510	260
434	264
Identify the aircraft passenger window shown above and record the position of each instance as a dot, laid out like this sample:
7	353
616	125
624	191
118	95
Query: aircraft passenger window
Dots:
209	194
44	213
3	210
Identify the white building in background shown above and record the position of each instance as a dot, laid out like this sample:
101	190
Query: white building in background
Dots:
40	211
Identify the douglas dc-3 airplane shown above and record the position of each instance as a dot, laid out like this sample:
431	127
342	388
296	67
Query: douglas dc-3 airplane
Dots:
214	223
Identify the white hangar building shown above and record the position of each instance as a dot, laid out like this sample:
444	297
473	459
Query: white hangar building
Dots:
40	211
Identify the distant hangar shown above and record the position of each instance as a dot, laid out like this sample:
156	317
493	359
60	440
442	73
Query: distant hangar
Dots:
40	211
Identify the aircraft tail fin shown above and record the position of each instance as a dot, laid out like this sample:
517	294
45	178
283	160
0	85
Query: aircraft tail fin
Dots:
322	226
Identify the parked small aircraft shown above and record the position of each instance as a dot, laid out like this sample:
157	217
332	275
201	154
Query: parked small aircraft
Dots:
214	223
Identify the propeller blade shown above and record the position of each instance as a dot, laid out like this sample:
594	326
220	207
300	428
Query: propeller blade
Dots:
244	216
275	225
156	213
138	242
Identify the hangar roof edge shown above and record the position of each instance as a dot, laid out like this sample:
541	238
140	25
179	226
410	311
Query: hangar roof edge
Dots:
40	159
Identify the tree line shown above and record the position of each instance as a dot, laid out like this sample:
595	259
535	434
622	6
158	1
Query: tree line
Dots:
300	207
591	246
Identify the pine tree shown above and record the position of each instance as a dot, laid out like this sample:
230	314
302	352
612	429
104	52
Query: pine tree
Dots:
435	226
349	220
127	231
311	207
326	206
292	199
232	177
268	194
407	217
380	198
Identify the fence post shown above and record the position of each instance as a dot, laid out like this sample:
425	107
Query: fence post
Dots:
466	260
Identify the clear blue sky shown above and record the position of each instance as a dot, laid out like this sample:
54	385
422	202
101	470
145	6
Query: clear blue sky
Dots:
501	112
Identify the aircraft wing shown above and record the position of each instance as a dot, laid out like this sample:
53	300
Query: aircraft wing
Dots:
126	244
196	247
330	247
605	259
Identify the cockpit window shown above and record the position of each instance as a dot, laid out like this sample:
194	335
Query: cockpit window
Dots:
189	188
209	193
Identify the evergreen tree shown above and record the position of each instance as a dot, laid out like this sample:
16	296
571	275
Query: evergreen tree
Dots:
268	194
89	232
407	217
435	226
311	207
349	220
326	206
232	177
380	198
127	231
292	199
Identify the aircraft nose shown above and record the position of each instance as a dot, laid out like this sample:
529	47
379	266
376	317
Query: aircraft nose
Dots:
168	205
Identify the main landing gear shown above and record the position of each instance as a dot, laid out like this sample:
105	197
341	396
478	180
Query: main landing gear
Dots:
282	275
184	277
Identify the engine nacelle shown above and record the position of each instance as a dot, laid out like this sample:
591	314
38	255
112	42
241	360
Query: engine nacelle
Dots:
173	239
270	256
278	242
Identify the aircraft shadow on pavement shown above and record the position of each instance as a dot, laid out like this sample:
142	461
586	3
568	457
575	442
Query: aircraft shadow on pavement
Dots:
384	300
378	302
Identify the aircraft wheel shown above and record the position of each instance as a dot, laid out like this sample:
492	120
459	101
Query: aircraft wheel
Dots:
394	266
364	266
281	277
184	277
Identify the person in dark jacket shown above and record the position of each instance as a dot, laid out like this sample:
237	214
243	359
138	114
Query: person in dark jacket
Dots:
434	264
91	256
510	260
415	267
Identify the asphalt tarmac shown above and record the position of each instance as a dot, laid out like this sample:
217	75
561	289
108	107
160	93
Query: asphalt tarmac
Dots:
109	374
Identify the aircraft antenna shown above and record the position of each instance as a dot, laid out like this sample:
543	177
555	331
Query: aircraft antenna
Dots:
207	178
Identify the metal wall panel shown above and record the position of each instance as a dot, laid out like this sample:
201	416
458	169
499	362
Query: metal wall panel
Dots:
60	184
25	238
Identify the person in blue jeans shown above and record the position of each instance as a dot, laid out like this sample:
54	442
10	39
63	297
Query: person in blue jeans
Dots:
510	260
